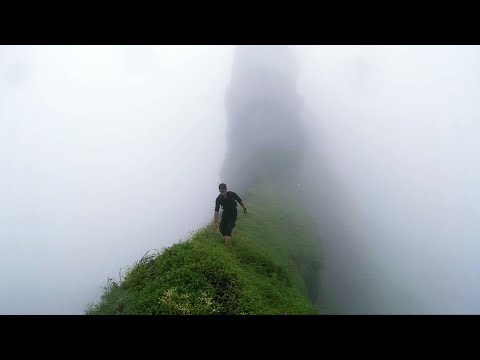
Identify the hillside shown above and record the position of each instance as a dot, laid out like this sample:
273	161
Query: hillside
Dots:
271	267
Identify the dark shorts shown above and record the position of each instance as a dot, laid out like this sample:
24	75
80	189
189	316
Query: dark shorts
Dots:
227	224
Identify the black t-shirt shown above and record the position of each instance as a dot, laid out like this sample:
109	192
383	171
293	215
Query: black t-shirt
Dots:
228	204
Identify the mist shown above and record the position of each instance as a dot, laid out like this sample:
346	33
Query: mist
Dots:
395	172
107	152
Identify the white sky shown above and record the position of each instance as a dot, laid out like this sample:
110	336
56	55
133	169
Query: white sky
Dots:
105	152
109	151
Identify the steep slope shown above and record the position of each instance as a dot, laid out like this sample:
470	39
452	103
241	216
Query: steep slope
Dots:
271	267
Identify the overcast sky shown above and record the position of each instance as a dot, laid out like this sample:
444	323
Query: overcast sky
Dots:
109	151
105	152
399	129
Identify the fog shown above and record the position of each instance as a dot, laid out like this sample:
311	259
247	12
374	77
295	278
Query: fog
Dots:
396	175
107	152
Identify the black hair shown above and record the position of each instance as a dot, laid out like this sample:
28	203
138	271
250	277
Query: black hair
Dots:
222	186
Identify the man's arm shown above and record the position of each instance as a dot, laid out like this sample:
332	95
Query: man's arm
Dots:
215	215
240	202
244	207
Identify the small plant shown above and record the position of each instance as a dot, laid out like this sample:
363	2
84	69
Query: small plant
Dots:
186	304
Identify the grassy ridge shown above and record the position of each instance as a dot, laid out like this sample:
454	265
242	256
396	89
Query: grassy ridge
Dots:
268	269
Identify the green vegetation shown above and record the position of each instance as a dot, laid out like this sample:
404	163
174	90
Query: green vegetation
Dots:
271	267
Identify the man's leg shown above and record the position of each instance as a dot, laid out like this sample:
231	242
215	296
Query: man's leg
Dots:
222	230
228	231
232	225
234	220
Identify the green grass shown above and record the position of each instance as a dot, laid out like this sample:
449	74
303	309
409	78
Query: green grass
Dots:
267	269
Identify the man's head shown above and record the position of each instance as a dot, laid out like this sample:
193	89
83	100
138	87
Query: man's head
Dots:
223	189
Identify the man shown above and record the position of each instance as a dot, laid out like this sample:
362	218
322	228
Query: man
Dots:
228	201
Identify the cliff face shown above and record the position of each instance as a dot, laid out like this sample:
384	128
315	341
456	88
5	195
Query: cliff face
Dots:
265	132
274	263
